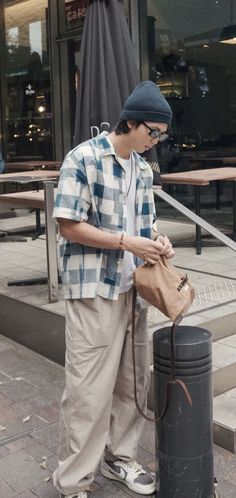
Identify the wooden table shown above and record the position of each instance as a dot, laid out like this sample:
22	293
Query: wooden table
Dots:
221	160
224	159
199	178
229	160
31	198
31	165
29	176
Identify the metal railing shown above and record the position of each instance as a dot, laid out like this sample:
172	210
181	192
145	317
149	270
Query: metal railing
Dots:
195	218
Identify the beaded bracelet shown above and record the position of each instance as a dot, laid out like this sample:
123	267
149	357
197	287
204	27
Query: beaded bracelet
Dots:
121	241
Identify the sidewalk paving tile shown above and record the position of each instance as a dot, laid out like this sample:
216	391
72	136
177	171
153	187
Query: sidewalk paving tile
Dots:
22	475
6	491
20	471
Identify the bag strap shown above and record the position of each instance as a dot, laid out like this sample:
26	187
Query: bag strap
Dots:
172	380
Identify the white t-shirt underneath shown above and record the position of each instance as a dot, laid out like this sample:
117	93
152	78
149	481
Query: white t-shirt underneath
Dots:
130	180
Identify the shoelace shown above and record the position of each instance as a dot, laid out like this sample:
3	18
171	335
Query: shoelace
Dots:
133	468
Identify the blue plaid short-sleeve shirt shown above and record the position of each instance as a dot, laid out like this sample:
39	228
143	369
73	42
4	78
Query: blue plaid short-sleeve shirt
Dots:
92	189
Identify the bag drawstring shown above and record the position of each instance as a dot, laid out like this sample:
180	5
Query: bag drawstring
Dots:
172	380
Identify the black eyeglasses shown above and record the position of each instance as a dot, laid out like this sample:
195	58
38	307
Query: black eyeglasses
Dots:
153	133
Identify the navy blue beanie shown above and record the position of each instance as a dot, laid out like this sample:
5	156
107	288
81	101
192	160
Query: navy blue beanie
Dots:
146	103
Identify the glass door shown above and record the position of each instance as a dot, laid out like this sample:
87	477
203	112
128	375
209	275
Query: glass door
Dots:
27	81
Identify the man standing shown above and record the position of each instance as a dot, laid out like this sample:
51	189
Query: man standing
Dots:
105	212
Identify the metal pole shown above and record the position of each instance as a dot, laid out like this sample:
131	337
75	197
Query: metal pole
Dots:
198	228
51	242
234	211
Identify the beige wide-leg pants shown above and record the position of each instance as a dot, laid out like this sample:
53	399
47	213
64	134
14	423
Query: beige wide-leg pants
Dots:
98	411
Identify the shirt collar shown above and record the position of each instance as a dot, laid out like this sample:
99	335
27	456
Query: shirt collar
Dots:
108	149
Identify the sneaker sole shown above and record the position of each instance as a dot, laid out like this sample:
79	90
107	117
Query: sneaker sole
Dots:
63	496
149	488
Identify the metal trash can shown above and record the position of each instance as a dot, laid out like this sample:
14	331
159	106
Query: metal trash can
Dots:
184	436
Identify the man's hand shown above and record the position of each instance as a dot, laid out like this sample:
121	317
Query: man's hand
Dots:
147	249
168	250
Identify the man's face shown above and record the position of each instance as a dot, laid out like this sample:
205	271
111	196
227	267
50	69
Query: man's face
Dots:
143	138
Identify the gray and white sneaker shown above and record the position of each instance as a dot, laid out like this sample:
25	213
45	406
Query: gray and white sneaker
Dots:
81	494
131	474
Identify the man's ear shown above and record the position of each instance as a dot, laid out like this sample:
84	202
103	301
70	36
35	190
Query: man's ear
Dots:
130	124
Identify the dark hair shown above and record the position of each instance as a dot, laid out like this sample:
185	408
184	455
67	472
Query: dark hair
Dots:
122	127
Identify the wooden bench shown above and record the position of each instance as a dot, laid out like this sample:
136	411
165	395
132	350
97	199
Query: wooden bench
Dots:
32	199
44	200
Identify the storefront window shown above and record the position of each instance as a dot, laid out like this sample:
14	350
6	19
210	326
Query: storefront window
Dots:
192	57
27	73
196	70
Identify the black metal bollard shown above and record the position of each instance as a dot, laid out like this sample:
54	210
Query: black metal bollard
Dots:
184	444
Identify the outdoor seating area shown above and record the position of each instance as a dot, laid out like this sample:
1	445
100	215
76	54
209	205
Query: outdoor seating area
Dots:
40	199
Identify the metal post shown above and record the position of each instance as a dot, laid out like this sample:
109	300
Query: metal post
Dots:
51	242
185	434
38	220
198	228
234	211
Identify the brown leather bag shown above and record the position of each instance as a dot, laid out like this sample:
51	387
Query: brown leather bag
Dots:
169	290
165	287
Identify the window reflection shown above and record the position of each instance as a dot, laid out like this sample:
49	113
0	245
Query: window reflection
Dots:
195	71
35	38
192	58
28	106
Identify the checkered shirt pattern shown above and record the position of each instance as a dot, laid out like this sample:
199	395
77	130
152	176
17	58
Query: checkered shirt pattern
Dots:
92	189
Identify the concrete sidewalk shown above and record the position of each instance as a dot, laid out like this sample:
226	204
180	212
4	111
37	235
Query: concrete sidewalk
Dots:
31	386
30	392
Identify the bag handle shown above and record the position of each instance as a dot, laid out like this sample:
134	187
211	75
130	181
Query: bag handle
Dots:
172	380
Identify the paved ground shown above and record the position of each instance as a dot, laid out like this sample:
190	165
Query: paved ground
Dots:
30	392
31	386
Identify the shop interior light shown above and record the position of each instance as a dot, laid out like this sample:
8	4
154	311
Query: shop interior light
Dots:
41	108
228	35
